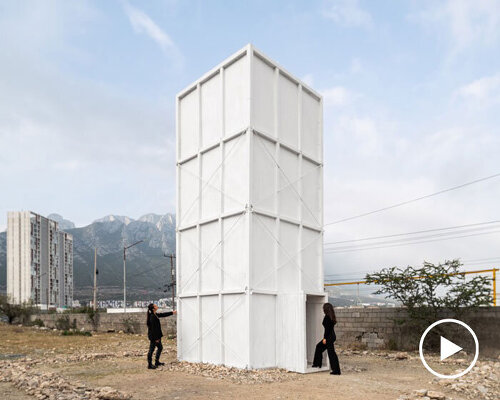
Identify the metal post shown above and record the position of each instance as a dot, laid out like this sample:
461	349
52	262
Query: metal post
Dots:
95	279
125	273
172	279
494	287
124	281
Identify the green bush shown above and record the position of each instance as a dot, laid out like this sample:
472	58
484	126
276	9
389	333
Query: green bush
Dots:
63	324
37	322
431	292
19	312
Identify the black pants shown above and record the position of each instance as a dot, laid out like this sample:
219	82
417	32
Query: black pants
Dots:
152	345
332	356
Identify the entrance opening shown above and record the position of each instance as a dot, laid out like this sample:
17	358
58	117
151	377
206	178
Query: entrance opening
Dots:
314	330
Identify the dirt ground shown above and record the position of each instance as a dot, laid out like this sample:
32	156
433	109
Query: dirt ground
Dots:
120	365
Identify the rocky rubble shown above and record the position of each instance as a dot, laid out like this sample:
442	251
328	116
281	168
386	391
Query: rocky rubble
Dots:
48	385
481	383
424	394
234	375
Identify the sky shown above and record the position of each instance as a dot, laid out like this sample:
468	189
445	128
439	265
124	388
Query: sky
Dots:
411	92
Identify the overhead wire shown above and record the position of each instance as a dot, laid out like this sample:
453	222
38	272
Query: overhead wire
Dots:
443	235
358	248
412	200
414	232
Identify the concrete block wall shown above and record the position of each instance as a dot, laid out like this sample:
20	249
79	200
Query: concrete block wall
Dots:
116	321
371	328
375	328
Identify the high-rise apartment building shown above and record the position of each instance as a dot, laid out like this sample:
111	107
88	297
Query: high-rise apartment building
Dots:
39	261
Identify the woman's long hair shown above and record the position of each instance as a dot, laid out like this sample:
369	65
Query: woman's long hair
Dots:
150	311
328	310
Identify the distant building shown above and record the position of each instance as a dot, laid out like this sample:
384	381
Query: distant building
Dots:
39	261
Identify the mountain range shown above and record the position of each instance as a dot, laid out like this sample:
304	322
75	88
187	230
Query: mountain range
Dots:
148	270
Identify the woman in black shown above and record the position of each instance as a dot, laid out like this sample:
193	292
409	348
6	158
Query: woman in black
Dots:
327	343
155	334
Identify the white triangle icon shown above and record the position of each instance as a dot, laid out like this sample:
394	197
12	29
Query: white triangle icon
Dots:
448	348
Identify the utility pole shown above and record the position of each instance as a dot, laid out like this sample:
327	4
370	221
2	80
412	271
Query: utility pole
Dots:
172	277
125	273
95	278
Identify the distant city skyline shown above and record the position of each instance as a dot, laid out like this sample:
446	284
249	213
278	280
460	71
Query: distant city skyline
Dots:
411	91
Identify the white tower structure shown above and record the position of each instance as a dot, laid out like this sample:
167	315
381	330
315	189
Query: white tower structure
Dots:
250	216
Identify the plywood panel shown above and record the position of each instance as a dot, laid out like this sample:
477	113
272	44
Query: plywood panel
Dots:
264	175
312	243
189	261
235	252
263	103
289	201
189	124
189	192
288	256
189	321
235	174
211	173
210	328
288	111
263	328
236	97
312	192
235	330
310	126
211	111
264	248
210	257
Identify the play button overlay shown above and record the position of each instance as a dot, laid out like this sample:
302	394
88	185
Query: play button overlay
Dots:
448	348
457	345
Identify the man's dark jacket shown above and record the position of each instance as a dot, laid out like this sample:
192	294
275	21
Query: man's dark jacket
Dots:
154	326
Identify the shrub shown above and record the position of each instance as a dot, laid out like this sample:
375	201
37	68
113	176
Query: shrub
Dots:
37	322
130	325
431	292
76	333
62	323
93	317
19	312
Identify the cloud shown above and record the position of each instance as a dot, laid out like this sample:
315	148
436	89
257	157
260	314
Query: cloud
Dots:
87	148
464	23
337	96
308	79
483	90
347	13
143	24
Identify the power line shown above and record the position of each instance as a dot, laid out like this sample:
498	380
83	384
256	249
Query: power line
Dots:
413	200
413	233
357	248
409	239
